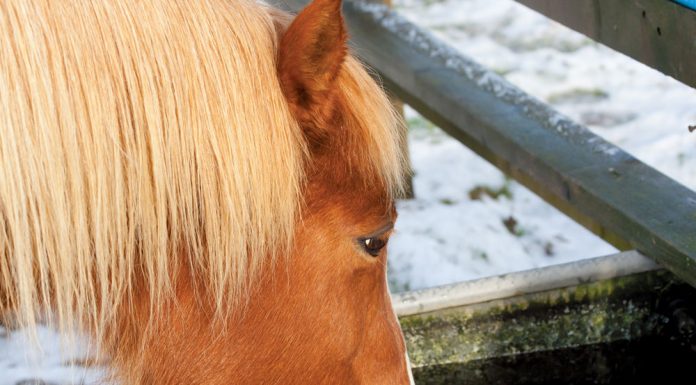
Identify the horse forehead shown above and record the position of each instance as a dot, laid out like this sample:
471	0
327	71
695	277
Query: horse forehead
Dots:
356	197
344	173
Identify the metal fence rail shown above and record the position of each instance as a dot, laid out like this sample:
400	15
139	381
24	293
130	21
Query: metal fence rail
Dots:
482	290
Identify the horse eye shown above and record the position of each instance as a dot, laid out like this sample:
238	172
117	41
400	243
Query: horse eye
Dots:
373	245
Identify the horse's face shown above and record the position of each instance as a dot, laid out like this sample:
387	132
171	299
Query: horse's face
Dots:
335	294
321	314
342	305
324	314
326	317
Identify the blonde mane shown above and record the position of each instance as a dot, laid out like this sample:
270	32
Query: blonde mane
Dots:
133	133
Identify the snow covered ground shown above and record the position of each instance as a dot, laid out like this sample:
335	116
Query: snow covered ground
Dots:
44	361
468	220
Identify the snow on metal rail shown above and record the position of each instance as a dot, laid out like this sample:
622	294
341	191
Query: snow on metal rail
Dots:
599	185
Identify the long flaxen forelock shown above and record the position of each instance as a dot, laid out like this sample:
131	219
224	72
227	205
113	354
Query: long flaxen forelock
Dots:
381	134
139	136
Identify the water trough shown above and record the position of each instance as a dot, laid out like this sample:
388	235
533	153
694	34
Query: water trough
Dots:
610	320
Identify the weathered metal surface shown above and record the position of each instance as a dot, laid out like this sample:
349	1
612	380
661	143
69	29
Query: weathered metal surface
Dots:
658	33
602	187
589	333
522	282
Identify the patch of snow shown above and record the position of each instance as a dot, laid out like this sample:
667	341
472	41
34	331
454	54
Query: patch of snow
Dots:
44	360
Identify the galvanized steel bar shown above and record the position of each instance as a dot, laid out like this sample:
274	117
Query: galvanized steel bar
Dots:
521	283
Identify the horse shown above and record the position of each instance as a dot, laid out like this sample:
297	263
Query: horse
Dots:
205	187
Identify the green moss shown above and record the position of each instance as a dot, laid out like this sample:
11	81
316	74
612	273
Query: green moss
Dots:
583	315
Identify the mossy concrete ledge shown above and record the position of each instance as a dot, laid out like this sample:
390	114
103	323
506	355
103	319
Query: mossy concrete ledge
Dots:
608	331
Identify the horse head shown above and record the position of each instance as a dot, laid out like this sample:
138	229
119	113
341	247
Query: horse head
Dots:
206	187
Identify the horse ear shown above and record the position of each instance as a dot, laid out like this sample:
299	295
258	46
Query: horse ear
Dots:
310	57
